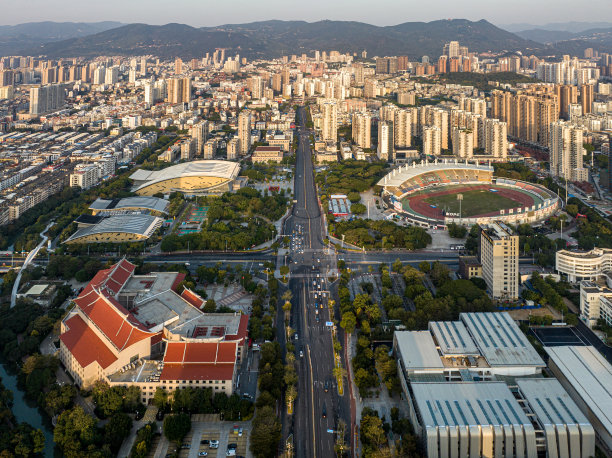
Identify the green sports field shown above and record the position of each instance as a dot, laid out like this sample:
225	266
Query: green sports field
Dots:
477	202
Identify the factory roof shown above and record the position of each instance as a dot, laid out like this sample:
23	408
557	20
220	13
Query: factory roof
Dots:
468	404
418	351
500	340
590	375
550	402
453	338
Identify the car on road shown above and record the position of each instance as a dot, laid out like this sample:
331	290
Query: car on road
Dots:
326	385
301	354
296	336
324	414
214	444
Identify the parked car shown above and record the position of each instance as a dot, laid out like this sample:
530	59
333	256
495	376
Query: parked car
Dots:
214	444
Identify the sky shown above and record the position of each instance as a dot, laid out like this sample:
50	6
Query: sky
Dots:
381	12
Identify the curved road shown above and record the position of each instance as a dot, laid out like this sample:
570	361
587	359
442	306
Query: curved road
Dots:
27	261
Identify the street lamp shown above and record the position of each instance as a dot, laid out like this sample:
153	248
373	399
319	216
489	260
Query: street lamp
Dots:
460	199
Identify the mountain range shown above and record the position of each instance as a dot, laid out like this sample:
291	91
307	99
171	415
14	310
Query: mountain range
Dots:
268	39
277	38
33	34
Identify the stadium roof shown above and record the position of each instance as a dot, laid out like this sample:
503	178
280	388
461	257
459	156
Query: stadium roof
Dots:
418	351
398	176
550	402
500	340
144	202
468	404
590	375
143	225
209	168
453	338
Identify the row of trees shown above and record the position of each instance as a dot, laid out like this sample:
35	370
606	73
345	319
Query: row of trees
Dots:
380	234
350	176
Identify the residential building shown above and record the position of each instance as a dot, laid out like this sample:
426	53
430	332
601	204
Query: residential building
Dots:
362	130
85	176
469	267
178	90
499	254
233	149
329	130
463	143
567	151
432	141
45	99
267	153
385	140
244	132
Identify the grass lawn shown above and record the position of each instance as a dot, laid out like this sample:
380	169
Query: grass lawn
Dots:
474	203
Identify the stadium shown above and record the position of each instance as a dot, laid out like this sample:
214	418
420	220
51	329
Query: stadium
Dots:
190	178
426	194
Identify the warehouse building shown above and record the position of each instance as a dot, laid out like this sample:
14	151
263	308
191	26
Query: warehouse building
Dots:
190	178
587	377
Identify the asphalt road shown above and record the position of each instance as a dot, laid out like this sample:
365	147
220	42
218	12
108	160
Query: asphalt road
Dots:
316	410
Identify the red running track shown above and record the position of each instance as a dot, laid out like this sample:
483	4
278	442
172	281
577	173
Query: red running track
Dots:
418	204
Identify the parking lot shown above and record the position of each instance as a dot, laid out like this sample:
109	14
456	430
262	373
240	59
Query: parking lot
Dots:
207	428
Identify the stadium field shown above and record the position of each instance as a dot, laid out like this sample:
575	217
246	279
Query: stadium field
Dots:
474	203
478	200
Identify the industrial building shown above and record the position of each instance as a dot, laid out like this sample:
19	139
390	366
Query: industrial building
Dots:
475	388
587	377
190	178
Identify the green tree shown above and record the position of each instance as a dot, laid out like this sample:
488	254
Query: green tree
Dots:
348	322
358	209
266	433
74	431
210	306
160	398
424	267
177	426
117	429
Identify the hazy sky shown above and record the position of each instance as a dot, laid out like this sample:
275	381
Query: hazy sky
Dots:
379	12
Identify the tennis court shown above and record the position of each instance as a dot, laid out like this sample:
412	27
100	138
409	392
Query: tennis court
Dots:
558	336
193	220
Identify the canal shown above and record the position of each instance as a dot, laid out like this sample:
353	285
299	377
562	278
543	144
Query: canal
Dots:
27	413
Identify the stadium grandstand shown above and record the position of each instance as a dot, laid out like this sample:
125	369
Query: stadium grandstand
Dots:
190	178
426	194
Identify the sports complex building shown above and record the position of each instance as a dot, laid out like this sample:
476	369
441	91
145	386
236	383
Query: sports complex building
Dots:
190	178
426	194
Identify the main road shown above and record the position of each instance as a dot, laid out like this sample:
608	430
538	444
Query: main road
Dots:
318	406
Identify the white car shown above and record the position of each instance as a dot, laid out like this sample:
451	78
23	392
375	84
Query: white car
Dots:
214	444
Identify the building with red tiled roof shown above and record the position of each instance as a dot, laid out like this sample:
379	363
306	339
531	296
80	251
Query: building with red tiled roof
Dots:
132	329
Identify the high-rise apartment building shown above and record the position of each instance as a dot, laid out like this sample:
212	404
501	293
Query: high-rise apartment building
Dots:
463	143
385	141
362	130
587	97
45	99
495	134
111	75
199	134
567	151
403	127
567	95
432	141
178	90
233	147
329	110
452	49
438	117
244	132
473	105
499	256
